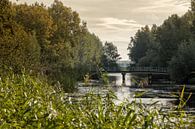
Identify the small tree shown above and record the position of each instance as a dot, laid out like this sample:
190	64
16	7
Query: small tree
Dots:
110	55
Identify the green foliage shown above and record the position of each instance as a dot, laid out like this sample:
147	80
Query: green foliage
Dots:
139	44
52	41
104	77
110	55
86	79
28	102
167	45
18	49
173	31
183	63
193	5
6	11
182	99
68	29
35	18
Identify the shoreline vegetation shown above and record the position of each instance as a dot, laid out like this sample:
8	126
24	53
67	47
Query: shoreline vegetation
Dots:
28	102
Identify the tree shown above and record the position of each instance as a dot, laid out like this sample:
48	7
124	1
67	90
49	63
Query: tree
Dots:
170	35
160	42
18	49
110	55
183	62
36	20
90	52
193	5
68	31
140	44
169	45
51	40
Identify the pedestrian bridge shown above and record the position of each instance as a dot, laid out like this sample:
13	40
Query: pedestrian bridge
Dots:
137	70
149	71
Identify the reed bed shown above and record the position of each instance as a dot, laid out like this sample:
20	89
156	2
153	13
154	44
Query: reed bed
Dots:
28	102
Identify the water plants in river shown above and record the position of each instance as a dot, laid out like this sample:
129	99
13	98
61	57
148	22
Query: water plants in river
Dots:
28	102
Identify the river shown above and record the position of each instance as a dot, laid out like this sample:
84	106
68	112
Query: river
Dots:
126	92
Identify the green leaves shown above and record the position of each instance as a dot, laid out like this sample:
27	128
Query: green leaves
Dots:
168	45
182	64
110	55
52	41
28	102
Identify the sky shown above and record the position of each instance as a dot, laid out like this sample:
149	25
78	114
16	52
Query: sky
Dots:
118	20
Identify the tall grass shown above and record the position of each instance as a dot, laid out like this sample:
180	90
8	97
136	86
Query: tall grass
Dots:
27	102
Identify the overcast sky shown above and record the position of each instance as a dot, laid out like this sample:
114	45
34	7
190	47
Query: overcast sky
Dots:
117	20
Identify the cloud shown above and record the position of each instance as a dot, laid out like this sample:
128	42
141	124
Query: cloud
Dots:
118	24
165	6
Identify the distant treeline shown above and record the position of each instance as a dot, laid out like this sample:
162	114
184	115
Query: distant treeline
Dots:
171	45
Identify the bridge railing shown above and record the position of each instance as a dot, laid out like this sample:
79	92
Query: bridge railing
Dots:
138	69
148	69
112	69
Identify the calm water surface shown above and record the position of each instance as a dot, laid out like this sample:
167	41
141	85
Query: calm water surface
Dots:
126	92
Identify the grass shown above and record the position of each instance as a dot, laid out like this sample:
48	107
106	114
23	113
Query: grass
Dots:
28	102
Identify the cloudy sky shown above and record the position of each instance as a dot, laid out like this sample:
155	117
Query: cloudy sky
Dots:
117	20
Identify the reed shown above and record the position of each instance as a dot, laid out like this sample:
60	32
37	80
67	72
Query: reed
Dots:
28	102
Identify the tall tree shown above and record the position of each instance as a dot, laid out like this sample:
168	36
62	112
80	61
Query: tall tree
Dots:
90	52
36	20
68	31
140	44
171	33
18	49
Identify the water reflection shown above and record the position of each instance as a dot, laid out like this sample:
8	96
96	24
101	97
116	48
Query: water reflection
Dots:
116	79
127	94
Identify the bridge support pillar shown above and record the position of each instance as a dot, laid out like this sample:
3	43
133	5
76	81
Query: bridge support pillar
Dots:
123	78
150	79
